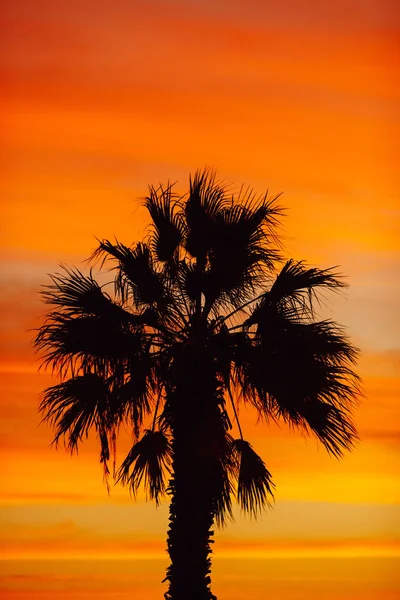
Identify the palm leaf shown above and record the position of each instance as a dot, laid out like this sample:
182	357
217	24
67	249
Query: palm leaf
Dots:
76	405
241	251
294	340
295	290
67	342
289	368
78	295
250	373
255	485
304	360
168	227
206	200
149	458
303	373
137	276
332	426
194	282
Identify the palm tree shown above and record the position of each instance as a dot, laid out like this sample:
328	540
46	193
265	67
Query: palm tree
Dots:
200	320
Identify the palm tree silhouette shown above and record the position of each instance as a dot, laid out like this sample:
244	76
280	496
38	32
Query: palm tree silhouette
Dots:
200	320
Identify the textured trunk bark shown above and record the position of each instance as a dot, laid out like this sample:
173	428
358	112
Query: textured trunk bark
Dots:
191	522
193	402
192	497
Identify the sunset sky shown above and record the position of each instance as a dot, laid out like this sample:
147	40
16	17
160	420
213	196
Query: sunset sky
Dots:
101	98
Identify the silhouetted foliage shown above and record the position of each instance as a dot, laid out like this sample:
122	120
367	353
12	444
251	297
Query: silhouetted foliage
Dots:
201	319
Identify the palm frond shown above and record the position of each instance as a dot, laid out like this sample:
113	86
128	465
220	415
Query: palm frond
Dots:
79	295
67	342
250	374
318	357
255	486
241	251
168	228
303	372
193	281
149	458
290	367
295	291
333	427
221	347
136	274
323	340
76	405
132	400
207	198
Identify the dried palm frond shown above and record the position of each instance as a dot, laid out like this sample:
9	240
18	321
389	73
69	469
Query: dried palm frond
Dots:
76	405
149	458
255	486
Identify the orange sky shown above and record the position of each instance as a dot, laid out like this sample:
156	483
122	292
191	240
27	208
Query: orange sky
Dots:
101	98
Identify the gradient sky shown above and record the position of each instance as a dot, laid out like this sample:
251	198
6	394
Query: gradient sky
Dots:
100	99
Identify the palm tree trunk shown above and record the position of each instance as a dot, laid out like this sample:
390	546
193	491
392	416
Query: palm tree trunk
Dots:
191	514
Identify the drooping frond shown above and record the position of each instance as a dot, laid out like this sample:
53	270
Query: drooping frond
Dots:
167	227
255	486
333	427
318	356
149	458
303	373
75	406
